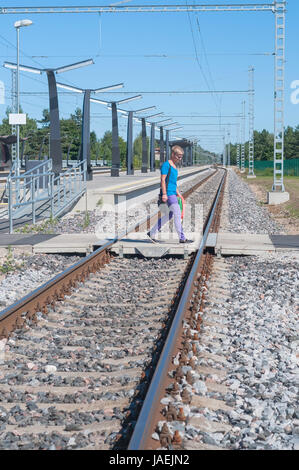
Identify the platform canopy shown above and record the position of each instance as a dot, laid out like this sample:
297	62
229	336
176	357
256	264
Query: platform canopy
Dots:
182	143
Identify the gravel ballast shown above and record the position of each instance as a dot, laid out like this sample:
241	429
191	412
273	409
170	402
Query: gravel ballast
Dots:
246	215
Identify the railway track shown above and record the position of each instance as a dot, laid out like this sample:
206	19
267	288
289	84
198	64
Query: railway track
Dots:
85	347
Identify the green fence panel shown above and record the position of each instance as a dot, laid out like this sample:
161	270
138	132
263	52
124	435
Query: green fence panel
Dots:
291	166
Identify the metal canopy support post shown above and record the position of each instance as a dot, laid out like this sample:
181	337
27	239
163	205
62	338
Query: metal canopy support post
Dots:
68	153
152	148
55	140
115	143
144	147
129	156
185	157
161	146
85	148
251	122
167	144
243	139
280	8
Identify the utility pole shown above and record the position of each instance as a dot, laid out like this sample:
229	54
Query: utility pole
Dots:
228	149
243	139
251	124
278	194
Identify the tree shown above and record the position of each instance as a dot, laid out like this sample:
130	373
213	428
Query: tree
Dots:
106	148
45	122
291	142
137	149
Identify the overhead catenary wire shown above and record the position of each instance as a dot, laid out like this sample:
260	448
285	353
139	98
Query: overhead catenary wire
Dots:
164	92
196	55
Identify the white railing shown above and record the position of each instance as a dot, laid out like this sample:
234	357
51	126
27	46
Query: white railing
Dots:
39	189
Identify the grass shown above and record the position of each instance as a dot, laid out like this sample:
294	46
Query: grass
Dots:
100	202
86	220
264	181
10	264
45	227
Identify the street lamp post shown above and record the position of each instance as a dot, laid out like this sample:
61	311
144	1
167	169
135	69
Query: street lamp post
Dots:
19	24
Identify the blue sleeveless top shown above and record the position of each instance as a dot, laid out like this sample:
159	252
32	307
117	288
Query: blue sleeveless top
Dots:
173	176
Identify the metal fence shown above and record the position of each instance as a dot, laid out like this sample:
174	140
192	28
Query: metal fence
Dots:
38	193
291	166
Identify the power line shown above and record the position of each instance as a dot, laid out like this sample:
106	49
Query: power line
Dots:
147	56
166	92
196	56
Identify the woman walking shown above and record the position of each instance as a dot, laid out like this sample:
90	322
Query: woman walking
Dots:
170	194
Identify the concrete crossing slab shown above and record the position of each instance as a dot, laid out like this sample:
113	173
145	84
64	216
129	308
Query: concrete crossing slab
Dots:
285	242
228	243
69	243
243	243
21	239
137	243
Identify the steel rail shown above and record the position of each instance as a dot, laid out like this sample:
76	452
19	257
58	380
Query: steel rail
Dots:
145	424
15	315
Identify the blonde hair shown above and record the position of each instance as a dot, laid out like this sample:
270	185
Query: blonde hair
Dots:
177	148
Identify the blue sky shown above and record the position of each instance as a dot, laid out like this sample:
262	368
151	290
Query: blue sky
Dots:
155	52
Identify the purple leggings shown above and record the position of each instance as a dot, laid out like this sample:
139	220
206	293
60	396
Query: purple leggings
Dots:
175	212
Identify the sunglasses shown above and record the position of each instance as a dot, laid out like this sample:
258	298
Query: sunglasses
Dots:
180	155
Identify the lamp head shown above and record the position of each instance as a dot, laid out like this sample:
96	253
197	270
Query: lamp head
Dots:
21	23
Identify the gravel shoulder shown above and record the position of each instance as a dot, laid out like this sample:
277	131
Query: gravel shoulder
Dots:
28	272
285	215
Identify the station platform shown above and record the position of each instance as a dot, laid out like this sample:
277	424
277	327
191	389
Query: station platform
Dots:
130	189
138	243
104	192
